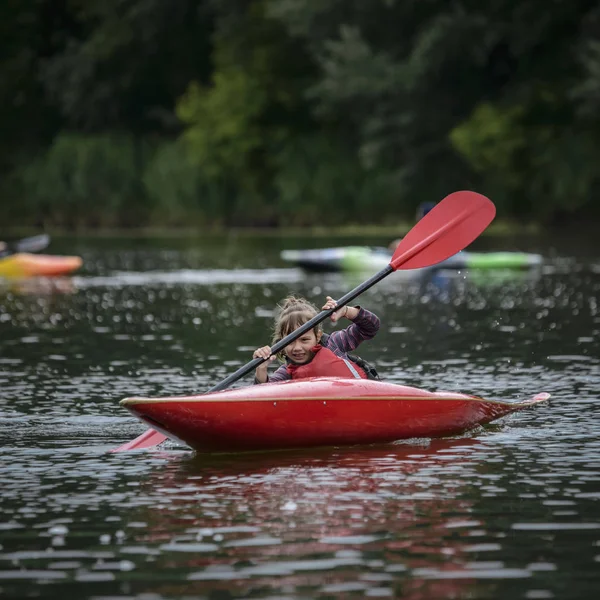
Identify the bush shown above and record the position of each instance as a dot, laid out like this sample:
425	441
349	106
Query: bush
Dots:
86	181
178	191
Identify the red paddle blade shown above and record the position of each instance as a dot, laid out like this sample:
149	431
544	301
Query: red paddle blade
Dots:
445	230
148	439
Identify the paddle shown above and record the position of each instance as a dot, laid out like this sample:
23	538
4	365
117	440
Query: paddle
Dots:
28	244
445	230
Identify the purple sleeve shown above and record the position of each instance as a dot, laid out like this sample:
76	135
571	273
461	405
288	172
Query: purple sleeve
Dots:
364	327
281	374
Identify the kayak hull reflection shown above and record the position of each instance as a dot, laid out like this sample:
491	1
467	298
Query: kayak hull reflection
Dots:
316	412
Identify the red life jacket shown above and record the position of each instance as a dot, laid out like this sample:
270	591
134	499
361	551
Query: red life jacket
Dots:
325	364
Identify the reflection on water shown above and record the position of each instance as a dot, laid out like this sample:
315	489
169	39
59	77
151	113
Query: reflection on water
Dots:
464	517
506	511
37	286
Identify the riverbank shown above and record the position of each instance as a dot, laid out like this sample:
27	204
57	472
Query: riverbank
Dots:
497	228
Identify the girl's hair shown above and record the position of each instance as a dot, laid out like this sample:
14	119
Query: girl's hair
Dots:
291	313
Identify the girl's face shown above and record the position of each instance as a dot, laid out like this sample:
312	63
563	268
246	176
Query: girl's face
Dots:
299	351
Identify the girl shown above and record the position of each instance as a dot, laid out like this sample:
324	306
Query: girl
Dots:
314	353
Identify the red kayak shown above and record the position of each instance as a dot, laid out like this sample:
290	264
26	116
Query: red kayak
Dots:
325	411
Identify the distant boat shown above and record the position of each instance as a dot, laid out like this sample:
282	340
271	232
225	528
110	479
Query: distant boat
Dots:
366	258
24	264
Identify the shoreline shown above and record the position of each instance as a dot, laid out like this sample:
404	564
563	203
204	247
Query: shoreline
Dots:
501	228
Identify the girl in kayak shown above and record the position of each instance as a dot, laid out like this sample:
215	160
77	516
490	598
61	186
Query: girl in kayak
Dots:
317	354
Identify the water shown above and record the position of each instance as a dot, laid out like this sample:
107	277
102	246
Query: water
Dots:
506	511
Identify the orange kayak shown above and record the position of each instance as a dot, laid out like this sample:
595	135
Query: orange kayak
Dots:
312	412
37	265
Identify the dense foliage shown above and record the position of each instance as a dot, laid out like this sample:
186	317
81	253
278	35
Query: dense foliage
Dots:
301	112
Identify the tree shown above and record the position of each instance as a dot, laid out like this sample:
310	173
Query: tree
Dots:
129	63
253	106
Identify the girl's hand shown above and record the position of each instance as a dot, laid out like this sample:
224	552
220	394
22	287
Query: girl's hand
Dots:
264	352
338	314
261	370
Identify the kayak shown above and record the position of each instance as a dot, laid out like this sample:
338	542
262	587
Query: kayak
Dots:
23	264
346	258
363	258
492	260
323	411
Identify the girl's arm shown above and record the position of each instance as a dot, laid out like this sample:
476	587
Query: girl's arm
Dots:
281	374
364	327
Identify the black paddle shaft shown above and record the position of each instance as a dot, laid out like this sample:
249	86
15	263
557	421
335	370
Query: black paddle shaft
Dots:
288	339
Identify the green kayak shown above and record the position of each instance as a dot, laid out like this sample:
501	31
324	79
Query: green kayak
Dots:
364	258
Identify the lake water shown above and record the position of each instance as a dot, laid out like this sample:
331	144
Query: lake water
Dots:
507	511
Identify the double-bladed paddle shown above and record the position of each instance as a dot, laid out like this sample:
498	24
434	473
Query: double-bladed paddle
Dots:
445	230
29	244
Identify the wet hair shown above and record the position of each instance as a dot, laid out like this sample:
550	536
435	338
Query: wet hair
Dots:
292	312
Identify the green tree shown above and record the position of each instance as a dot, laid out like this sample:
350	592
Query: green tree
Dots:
253	106
403	76
131	61
30	32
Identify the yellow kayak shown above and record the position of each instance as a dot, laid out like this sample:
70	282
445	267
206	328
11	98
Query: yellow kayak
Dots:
23	264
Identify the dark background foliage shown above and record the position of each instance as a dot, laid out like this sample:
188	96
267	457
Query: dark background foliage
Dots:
219	113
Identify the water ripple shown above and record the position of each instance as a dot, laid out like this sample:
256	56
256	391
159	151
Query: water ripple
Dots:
506	510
